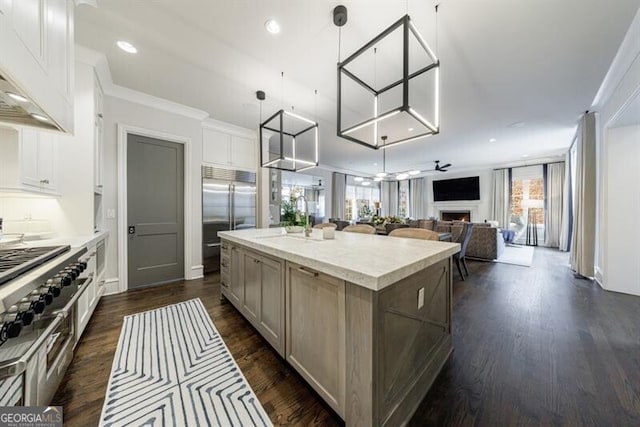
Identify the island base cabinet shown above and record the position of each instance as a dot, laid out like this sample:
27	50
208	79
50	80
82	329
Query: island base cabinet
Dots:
256	289
234	289
398	339
315	322
371	355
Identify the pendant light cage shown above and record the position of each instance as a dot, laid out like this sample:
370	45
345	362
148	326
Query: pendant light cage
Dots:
288	142
400	100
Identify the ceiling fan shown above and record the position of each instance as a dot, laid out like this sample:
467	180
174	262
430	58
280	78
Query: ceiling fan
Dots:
442	168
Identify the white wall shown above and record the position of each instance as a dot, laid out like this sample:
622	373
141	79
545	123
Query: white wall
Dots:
120	111
619	88
623	209
480	209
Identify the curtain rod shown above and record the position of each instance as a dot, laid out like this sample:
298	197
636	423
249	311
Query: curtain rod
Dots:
532	164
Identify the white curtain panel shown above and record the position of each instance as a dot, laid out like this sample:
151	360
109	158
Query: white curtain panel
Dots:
389	198
565	228
417	198
584	218
500	211
555	199
339	195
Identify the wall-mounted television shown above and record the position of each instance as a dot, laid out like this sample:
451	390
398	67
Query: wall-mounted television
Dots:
447	190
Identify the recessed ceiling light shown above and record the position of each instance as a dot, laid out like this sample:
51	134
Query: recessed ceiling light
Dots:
39	117
516	125
272	26
366	183
358	179
17	97
377	179
525	155
492	140
375	164
410	129
415	172
381	174
127	47
402	176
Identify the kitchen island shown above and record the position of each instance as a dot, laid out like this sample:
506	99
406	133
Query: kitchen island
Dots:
364	319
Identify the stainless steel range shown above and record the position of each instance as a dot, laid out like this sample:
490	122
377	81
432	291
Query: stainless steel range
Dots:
38	291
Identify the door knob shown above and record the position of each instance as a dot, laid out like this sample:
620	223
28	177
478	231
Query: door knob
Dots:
132	229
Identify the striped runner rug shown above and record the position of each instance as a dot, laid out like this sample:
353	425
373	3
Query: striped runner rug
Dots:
171	368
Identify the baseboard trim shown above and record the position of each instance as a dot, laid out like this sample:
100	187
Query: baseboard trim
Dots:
599	277
197	272
112	286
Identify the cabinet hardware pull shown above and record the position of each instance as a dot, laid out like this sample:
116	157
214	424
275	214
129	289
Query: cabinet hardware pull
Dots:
44	181
307	272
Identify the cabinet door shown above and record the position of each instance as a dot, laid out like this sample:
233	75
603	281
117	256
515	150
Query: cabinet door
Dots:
98	131
272	303
236	286
315	344
5	10
29	23
47	161
82	313
252	284
243	153
59	45
97	154
29	157
215	147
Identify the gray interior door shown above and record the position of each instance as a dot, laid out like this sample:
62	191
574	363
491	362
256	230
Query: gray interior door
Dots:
155	211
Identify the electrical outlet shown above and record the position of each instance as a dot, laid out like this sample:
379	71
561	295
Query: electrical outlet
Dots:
111	213
420	298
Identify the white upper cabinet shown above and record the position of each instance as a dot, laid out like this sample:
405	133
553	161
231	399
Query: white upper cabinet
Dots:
36	41
224	147
243	152
29	161
98	132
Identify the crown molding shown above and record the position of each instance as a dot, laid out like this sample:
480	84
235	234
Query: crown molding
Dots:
622	63
211	123
99	61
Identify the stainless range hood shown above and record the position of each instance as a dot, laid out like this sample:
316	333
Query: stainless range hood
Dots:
16	108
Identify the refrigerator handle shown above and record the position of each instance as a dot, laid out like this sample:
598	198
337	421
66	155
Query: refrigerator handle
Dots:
232	214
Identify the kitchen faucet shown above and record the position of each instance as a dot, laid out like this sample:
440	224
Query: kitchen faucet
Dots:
307	222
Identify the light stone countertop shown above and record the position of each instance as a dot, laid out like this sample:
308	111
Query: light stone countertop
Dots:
367	260
74	242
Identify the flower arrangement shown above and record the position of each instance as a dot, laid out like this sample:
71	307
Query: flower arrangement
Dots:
289	214
390	219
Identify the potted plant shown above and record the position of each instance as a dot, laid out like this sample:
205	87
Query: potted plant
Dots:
291	219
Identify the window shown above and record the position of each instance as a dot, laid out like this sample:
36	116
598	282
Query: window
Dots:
403	199
361	200
527	202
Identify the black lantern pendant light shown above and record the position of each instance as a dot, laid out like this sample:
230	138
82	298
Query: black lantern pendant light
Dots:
288	141
402	100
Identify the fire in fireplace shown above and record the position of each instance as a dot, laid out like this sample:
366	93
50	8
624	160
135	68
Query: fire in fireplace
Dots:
455	216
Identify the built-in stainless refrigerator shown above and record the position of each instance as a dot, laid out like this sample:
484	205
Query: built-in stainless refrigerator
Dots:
228	203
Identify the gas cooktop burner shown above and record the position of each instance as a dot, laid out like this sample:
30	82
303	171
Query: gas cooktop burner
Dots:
14	262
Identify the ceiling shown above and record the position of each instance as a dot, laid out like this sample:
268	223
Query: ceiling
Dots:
520	72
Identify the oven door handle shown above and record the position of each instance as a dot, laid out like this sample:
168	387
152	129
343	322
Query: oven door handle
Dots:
64	312
18	366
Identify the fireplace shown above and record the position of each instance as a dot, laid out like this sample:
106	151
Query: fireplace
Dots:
455	216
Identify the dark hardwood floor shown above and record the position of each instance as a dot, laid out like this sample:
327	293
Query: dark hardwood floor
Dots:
532	346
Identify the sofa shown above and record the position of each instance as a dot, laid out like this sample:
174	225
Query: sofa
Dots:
486	241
